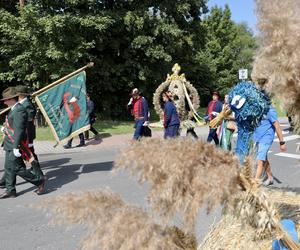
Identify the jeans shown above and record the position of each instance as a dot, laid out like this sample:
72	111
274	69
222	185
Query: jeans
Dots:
138	128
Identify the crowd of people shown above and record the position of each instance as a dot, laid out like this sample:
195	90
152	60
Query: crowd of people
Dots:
19	134
263	136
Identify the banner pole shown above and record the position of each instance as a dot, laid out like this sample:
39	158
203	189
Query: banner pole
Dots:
89	65
4	110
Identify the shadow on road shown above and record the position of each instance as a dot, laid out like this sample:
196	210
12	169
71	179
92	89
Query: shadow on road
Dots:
60	174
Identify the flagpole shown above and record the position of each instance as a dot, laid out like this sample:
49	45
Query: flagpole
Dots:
89	65
4	110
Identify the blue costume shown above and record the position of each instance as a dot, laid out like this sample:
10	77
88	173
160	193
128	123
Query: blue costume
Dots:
171	120
249	105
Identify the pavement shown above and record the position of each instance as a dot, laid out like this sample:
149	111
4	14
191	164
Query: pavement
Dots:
89	168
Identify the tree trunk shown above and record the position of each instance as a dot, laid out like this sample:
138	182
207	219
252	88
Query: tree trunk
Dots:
22	3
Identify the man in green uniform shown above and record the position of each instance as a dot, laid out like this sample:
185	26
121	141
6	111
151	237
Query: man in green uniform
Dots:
30	127
15	146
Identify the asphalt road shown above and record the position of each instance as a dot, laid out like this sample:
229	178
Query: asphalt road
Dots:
23	227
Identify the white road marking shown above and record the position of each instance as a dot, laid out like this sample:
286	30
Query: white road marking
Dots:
294	156
289	138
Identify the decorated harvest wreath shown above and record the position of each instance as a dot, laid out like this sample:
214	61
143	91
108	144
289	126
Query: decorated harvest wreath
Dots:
185	97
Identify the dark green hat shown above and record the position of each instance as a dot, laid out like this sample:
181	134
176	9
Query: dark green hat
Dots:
9	93
22	90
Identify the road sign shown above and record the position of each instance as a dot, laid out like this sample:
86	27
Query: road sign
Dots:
243	74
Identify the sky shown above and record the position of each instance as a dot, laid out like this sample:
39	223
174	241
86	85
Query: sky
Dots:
241	10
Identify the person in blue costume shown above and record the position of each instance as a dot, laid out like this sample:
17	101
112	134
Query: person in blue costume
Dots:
171	118
249	105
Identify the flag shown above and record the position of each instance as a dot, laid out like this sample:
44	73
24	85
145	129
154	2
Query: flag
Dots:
64	107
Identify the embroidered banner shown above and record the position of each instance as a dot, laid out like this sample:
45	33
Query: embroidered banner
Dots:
64	107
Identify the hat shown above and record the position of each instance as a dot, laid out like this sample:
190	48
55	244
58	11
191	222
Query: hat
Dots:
9	93
22	90
216	93
135	91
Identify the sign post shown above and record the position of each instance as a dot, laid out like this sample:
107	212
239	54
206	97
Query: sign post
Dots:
243	74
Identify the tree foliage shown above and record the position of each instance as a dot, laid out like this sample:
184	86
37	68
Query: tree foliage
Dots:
133	43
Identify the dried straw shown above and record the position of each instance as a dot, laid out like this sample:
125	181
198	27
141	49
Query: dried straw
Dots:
184	175
115	225
277	59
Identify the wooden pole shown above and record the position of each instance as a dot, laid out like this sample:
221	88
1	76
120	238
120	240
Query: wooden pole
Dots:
4	110
89	65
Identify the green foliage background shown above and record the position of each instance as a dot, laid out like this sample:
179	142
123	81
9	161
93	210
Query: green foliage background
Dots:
133	44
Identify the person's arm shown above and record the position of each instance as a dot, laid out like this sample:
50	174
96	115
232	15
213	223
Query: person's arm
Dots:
145	109
168	113
279	135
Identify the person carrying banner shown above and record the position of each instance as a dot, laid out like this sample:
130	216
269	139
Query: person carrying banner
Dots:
138	107
16	147
30	129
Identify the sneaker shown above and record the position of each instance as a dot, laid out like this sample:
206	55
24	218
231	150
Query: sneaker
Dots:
80	145
66	146
268	182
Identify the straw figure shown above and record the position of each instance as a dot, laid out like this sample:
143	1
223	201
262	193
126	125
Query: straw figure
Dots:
184	175
277	64
249	104
184	96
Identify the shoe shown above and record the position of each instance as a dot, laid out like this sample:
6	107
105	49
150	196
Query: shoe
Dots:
268	182
2	185
66	146
80	145
5	195
41	188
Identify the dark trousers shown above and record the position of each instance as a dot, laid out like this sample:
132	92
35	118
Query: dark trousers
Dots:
94	131
35	165
171	131
138	128
81	138
191	132
14	166
35	168
213	136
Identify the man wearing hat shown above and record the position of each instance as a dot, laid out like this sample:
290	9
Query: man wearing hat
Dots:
30	126
214	107
138	106
15	146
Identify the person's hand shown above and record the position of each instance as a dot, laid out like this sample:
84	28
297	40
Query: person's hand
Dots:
146	123
16	152
283	148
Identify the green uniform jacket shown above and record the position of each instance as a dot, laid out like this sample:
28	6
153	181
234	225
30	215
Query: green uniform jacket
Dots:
31	113
17	118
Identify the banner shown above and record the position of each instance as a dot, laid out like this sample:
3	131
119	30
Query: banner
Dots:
64	107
